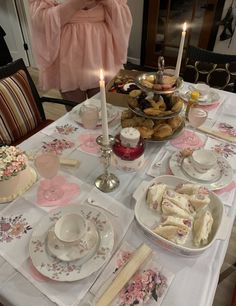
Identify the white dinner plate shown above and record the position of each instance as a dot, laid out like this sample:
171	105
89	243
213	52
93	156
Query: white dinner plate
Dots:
224	178
65	271
212	98
111	111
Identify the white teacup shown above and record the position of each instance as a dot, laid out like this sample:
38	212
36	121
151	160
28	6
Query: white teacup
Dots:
203	89
203	160
70	228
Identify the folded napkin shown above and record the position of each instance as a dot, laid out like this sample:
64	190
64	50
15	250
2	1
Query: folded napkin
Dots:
148	285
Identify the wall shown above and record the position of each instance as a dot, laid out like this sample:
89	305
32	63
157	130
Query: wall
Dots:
226	47
134	51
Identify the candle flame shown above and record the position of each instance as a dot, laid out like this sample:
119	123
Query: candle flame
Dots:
101	75
185	27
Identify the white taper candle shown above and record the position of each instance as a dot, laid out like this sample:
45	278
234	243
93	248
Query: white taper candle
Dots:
105	137
180	53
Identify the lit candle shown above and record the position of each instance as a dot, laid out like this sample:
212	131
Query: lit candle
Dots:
105	138
181	48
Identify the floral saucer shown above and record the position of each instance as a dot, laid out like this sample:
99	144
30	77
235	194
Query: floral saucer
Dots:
224	169
211	175
111	111
82	250
67	271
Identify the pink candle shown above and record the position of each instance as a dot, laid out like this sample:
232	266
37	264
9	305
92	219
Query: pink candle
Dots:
105	136
180	53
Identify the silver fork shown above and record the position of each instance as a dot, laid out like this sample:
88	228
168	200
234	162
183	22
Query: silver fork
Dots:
94	203
158	163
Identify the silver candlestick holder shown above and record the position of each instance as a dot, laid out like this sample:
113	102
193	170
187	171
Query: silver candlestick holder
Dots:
107	181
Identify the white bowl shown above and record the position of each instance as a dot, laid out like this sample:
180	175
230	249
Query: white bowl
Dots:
203	160
147	218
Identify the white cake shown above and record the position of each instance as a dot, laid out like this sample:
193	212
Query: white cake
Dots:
15	174
129	137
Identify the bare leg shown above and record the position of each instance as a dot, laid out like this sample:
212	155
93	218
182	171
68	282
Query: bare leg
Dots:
77	96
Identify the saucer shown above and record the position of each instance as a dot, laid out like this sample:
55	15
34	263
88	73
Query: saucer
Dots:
82	250
210	175
211	98
111	112
66	271
224	169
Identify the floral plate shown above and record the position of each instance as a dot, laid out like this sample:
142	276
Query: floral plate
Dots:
221	181
111	111
63	271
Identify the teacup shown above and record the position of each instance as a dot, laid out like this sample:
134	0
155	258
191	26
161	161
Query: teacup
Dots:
203	160
203	89
70	228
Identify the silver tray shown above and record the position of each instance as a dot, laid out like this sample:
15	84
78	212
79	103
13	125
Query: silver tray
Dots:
143	76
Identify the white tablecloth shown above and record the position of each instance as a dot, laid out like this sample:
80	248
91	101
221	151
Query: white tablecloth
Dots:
195	279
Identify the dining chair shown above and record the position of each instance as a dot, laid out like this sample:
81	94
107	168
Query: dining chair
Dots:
215	69
21	107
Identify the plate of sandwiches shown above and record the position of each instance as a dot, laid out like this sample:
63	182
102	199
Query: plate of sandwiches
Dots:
153	129
183	217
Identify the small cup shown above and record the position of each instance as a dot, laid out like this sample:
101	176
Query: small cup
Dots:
203	89
89	114
70	228
203	160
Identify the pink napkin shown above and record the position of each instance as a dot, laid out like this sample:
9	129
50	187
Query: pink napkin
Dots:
188	139
88	143
69	191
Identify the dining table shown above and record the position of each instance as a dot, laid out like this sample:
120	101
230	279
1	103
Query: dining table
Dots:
194	279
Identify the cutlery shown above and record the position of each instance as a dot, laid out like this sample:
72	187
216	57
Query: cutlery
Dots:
158	163
94	203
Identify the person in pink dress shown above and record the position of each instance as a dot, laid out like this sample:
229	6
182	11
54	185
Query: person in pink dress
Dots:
73	39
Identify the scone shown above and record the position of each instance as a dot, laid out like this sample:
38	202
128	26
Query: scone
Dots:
162	131
145	132
174	122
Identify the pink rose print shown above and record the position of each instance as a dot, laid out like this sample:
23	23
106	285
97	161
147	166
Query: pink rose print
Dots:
13	227
227	129
226	150
57	146
66	129
187	139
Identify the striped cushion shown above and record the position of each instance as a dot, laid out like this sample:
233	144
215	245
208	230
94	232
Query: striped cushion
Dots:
18	110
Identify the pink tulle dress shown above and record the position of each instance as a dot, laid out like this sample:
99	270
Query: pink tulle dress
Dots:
71	51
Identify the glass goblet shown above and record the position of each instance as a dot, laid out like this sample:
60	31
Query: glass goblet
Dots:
197	116
47	165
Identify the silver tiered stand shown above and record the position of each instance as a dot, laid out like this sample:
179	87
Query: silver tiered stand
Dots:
107	181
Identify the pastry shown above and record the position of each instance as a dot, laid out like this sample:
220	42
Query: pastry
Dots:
155	195
127	114
149	123
147	84
145	132
162	131
133	102
152	111
158	104
202	228
181	222
135	93
169	208
128	123
150	78
180	200
175	234
199	201
177	106
174	122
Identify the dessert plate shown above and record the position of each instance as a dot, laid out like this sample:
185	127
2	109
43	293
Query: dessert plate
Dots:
67	271
211	175
211	98
82	250
224	168
111	111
